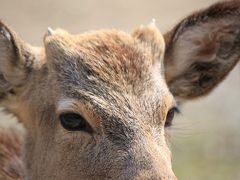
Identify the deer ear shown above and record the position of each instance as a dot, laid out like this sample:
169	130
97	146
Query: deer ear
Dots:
202	49
15	60
152	39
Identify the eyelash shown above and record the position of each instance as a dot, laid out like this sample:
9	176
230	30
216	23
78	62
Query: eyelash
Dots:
170	116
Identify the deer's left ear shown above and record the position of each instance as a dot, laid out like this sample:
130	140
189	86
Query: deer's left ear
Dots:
17	60
202	49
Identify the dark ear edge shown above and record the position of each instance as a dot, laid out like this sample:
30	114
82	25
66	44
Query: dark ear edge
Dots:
8	35
13	40
16	57
212	55
17	61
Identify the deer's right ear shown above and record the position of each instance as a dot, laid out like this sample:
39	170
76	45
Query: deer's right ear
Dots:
16	60
202	49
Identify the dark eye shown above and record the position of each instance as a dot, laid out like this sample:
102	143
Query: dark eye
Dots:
170	116
74	122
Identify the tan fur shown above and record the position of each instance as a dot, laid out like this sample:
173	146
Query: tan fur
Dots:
120	84
11	144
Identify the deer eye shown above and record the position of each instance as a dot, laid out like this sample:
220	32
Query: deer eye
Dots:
170	116
74	122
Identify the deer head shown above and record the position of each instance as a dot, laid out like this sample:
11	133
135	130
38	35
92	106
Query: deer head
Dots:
96	105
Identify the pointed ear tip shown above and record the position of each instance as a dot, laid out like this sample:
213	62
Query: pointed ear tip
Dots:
4	31
1	23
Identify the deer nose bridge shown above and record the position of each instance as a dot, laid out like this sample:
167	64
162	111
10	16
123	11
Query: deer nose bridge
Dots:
139	163
130	132
140	156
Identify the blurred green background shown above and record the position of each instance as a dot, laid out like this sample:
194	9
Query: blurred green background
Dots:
205	137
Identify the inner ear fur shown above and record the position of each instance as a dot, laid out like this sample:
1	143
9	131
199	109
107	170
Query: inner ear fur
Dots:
202	49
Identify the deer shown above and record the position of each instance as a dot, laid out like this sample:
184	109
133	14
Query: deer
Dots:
97	105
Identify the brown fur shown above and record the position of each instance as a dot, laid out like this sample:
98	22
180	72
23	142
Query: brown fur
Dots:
11	144
119	83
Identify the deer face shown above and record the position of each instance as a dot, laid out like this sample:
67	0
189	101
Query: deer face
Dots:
97	105
104	111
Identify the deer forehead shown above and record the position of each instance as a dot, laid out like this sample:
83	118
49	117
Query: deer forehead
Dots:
108	68
104	58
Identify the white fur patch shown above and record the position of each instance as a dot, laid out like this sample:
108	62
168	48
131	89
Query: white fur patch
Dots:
66	104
